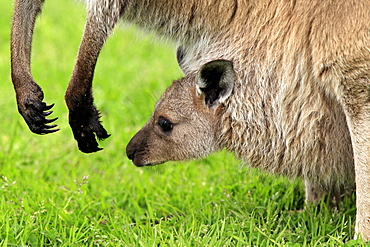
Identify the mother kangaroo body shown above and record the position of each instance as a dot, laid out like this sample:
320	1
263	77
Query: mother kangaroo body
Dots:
313	50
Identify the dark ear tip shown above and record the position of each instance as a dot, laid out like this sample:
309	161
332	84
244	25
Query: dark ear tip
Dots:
220	63
214	70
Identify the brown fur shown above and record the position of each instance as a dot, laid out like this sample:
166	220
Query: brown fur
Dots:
304	64
302	81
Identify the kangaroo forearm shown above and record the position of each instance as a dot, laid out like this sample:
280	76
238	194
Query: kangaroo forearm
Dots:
21	38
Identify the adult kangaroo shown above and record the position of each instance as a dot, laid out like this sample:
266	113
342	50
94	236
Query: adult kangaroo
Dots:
304	44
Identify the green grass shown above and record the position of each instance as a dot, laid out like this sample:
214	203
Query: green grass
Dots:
53	195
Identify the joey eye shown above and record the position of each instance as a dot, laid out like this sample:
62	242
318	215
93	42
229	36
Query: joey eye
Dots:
165	124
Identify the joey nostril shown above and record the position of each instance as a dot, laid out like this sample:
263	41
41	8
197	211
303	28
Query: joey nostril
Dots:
130	153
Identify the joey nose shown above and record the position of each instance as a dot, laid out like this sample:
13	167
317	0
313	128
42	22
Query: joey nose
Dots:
136	148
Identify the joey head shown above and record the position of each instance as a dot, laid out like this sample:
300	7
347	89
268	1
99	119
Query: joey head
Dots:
188	128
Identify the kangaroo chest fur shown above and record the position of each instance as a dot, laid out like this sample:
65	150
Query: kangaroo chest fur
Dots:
295	130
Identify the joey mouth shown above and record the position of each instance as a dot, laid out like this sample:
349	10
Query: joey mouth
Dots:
142	163
138	158
147	164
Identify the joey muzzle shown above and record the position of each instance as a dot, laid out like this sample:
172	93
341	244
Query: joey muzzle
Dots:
137	149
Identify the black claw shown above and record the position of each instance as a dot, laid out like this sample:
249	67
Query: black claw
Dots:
48	107
50	120
50	126
48	131
102	138
47	113
88	145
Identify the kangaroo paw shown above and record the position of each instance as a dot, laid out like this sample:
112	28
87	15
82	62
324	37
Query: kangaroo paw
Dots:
86	127
35	113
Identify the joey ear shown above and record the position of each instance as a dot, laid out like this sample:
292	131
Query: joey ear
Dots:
215	80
